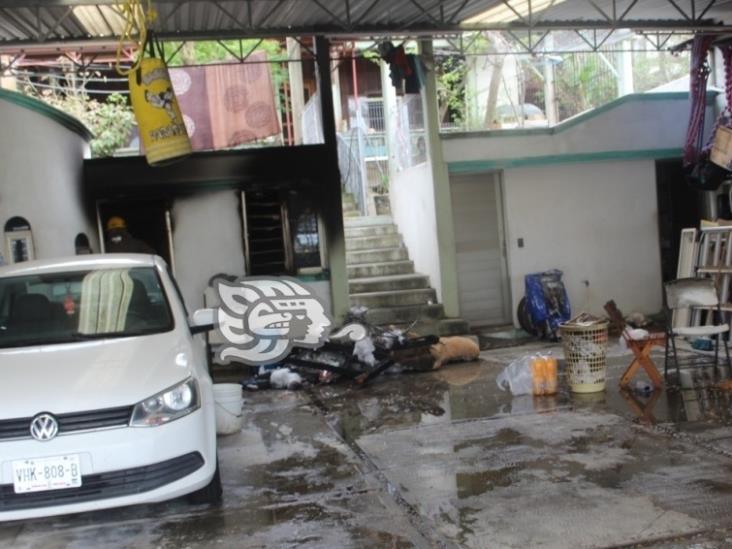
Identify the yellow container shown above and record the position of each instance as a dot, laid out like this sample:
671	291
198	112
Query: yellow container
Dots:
551	376
158	115
538	375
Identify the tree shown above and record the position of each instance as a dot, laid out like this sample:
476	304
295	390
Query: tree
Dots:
110	121
583	82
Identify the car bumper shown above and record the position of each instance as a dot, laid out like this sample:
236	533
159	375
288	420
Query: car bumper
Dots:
161	462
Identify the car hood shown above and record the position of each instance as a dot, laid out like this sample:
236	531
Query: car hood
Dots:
90	375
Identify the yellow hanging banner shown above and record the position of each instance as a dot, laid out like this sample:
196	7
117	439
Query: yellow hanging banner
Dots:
161	125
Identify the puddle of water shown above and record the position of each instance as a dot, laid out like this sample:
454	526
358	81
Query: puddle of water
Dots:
464	392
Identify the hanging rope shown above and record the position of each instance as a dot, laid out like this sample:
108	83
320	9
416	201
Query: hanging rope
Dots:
698	95
724	116
137	21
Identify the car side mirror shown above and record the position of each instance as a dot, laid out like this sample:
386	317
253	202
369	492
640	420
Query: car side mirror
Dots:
203	320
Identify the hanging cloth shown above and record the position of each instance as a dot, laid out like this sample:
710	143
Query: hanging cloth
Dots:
698	95
720	144
414	82
700	172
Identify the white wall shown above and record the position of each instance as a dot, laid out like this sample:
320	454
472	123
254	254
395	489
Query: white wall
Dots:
207	239
596	222
41	165
635	123
413	209
321	288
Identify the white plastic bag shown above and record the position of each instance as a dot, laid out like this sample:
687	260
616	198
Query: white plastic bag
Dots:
637	334
517	377
283	378
364	351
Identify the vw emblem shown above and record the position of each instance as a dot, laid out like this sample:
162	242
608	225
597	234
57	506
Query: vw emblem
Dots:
44	427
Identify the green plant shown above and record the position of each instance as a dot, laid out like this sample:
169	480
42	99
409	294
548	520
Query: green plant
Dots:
652	69
110	121
583	82
451	72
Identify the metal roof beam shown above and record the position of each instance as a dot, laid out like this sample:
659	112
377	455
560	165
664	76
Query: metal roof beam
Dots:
54	21
365	31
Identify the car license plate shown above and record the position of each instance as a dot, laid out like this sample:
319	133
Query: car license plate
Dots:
53	473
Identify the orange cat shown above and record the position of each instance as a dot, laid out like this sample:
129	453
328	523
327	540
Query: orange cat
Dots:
453	349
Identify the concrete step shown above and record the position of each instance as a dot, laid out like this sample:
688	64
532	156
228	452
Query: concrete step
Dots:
396	298
388	283
376	256
374	242
444	327
384	316
376	230
369	221
453	326
368	270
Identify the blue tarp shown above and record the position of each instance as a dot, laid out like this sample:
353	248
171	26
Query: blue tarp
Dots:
547	301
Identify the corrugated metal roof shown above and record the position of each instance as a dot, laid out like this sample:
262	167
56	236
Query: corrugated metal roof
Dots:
24	22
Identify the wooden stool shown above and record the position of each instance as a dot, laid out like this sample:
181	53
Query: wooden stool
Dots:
644	411
642	350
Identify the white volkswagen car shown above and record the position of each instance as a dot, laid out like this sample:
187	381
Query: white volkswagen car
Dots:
105	396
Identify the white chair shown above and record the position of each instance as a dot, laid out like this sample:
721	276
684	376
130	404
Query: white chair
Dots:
690	293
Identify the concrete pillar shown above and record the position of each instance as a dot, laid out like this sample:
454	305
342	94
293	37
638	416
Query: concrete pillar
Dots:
332	209
388	94
625	69
335	73
297	92
441	182
550	97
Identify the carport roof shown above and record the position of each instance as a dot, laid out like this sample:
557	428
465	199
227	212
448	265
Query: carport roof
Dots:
32	22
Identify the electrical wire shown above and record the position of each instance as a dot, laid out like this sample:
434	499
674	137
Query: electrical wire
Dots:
61	89
36	74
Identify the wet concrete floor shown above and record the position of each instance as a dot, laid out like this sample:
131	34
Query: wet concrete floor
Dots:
445	459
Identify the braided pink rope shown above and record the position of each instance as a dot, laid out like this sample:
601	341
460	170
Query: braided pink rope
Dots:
724	117
698	96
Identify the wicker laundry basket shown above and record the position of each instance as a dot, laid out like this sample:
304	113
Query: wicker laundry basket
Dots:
585	352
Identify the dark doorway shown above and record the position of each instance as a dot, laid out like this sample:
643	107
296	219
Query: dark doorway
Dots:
146	220
679	207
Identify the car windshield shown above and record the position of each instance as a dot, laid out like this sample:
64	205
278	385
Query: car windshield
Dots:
80	305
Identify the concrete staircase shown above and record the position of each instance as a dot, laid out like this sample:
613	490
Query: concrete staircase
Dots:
382	277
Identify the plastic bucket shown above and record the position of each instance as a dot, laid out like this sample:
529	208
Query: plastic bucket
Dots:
229	403
585	353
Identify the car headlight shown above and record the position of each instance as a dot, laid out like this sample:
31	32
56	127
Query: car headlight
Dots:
167	406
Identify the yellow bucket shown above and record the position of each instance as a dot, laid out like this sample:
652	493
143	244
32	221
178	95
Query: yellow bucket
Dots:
158	115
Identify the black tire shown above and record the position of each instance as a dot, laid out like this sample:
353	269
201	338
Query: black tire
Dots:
524	318
211	493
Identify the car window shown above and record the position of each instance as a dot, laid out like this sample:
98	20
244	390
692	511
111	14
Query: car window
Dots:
80	305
